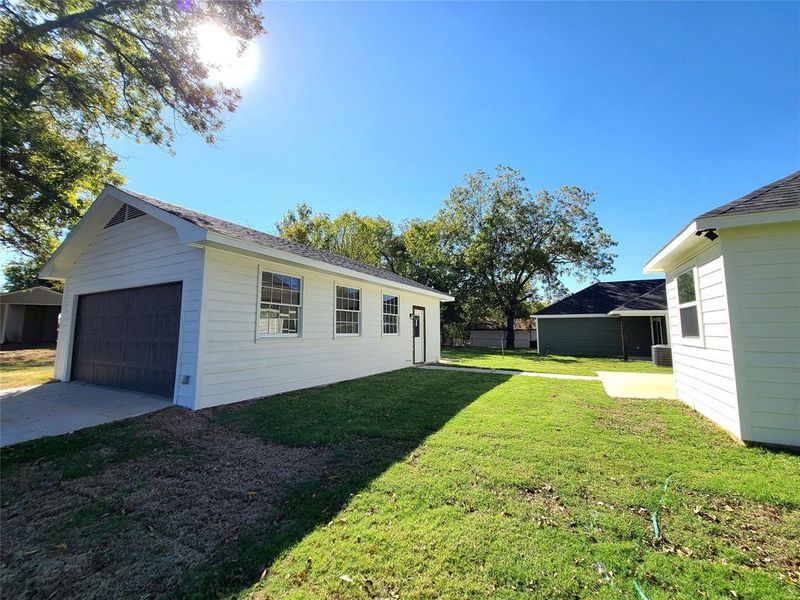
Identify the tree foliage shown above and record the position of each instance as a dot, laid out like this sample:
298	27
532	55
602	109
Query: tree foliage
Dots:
516	247
24	274
496	247
370	240
77	73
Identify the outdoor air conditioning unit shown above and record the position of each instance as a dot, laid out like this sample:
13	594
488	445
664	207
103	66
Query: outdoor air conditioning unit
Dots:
662	355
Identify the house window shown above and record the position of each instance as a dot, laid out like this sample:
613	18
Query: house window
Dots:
348	310
279	305
687	305
391	309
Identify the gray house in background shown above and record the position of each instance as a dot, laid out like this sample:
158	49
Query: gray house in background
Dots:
612	318
29	316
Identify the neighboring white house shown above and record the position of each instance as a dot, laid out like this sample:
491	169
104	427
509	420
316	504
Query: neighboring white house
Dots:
733	291
163	299
493	335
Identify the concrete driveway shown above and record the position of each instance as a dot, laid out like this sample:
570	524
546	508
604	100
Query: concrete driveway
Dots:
638	385
56	408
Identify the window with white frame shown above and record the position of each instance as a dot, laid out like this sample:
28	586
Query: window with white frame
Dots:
687	305
348	310
391	310
279	305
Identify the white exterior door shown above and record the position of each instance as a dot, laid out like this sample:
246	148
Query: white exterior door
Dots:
418	329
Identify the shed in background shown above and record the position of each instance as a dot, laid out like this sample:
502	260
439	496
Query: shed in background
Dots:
29	316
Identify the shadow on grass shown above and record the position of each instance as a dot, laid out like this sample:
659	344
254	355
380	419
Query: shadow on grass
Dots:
367	425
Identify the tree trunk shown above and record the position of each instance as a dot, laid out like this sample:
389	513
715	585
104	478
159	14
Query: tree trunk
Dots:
510	330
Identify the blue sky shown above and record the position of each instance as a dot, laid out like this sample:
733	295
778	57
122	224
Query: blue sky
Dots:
664	110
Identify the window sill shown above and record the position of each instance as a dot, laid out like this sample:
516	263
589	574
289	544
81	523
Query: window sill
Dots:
346	335
695	342
278	336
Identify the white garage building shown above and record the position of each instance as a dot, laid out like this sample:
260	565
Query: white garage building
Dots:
162	299
733	293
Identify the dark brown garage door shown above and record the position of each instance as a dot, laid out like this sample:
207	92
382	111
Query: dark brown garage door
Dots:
129	338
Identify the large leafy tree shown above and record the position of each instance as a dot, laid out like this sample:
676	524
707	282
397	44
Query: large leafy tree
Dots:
79	72
496	247
513	247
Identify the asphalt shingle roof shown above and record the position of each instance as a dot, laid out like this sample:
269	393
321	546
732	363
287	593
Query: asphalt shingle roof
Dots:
605	296
276	243
778	195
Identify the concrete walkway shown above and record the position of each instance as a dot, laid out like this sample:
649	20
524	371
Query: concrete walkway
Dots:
56	408
638	385
508	372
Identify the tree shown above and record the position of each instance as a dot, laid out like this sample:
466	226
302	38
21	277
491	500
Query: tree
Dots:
514	247
76	73
370	240
24	274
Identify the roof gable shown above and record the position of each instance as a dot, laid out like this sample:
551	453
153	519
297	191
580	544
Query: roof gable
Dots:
606	296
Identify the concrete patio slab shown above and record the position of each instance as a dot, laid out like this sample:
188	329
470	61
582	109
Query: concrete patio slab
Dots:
638	385
57	408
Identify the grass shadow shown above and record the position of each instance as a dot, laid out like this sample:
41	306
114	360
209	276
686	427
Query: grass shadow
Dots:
367	424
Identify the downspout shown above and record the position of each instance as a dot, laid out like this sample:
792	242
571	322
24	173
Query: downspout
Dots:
622	339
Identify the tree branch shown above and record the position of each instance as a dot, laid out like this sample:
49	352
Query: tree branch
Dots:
13	45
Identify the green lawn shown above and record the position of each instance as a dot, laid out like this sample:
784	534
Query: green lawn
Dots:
20	368
528	360
412	484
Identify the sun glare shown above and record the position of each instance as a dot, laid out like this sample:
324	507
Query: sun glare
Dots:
219	50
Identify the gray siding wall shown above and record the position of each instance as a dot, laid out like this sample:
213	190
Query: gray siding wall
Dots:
594	336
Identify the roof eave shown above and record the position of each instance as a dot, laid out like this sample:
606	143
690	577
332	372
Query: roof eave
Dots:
686	237
682	245
638	313
219	241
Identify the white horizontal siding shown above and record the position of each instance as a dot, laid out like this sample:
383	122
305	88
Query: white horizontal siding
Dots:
704	370
763	264
139	252
236	366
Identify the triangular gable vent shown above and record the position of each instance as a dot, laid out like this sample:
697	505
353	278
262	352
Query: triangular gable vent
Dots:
126	212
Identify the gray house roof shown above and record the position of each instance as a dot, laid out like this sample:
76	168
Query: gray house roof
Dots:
254	236
655	299
778	195
606	296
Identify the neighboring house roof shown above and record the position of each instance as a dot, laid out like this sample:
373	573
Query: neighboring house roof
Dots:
776	202
201	229
37	295
655	299
607	296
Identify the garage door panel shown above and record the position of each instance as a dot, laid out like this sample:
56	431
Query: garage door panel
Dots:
129	338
